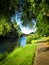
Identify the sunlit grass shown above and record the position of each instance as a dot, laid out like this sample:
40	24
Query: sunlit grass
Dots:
21	56
40	39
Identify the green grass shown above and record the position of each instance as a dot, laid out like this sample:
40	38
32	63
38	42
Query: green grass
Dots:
21	56
40	39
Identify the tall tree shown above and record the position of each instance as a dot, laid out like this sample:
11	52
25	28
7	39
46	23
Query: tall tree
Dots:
38	9
31	9
8	7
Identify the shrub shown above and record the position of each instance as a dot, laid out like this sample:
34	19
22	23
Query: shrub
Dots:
31	37
3	56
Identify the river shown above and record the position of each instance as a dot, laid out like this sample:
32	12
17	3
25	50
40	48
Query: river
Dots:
9	45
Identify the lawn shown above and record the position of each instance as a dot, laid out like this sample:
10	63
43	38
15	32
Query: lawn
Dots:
21	56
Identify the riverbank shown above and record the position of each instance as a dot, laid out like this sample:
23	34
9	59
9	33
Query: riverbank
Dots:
24	55
21	56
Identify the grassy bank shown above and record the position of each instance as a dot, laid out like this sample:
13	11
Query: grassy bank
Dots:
21	56
40	39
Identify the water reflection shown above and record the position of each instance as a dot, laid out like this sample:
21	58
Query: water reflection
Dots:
8	45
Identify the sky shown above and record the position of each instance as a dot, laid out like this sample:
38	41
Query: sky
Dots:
25	30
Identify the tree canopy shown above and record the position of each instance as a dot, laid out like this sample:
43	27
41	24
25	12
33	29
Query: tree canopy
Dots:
39	10
30	9
8	7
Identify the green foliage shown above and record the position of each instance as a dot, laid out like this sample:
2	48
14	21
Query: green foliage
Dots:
21	56
17	28
43	26
3	56
42	18
8	7
31	37
36	9
9	29
5	26
0	56
28	39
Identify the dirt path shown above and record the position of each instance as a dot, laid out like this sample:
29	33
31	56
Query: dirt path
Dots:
42	54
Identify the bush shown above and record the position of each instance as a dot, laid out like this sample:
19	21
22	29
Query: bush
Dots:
3	56
31	37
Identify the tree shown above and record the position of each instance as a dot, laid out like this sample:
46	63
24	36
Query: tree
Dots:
38	9
8	7
31	9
